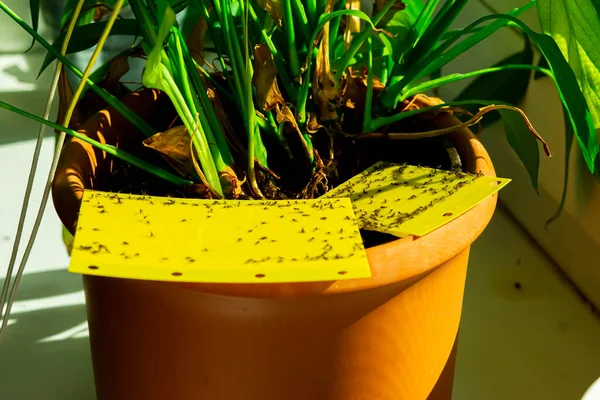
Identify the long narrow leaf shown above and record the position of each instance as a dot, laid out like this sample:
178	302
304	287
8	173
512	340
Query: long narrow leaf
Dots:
569	139
116	152
86	36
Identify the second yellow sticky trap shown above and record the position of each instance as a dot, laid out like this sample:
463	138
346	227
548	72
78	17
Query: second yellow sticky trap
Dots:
405	200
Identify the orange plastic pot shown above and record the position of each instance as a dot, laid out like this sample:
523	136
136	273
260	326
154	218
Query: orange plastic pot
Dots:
389	337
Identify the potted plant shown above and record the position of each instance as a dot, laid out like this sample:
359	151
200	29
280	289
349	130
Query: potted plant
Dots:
296	99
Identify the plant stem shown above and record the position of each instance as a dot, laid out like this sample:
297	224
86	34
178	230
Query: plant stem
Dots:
369	96
302	20
251	113
335	27
232	43
288	22
311	12
196	131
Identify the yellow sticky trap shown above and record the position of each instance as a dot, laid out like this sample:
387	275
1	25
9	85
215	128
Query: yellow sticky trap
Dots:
228	241
405	200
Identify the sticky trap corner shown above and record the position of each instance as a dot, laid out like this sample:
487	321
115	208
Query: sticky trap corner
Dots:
218	241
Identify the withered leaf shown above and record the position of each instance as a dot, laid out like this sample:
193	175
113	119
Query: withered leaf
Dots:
265	79
118	67
174	145
65	95
313	125
286	117
273	8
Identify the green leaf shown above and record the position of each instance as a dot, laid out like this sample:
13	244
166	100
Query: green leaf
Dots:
34	8
575	27
569	136
87	36
445	53
508	86
430	39
522	142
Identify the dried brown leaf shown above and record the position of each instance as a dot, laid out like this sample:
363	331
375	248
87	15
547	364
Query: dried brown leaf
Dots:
65	96
313	124
118	67
273	8
265	79
174	145
286	116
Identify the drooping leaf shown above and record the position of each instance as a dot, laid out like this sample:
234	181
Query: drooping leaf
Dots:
575	27
508	86
87	36
520	132
569	139
523	143
265	79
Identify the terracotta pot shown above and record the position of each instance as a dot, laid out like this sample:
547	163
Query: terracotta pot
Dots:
390	337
